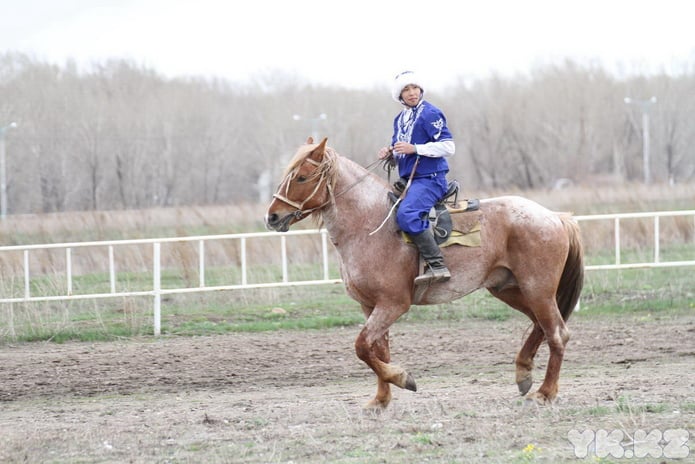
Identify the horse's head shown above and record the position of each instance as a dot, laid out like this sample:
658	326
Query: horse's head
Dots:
306	186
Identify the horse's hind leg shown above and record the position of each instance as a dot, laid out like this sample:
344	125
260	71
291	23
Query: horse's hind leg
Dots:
557	335
548	324
524	359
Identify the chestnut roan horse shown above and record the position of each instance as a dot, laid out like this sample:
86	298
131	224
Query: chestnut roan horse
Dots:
530	258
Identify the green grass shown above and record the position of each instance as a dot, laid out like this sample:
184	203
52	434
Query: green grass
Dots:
673	252
423	439
55	285
648	291
599	411
642	294
626	405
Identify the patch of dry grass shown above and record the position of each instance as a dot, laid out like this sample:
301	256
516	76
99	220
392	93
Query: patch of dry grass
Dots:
133	263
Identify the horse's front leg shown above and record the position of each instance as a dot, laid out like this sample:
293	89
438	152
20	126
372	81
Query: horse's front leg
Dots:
383	391
372	347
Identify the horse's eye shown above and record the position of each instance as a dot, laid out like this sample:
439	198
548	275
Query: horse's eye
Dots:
301	179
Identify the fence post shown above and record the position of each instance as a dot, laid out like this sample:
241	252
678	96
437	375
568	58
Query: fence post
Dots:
324	252
201	263
283	252
242	245
657	252
112	270
27	286
617	240
68	269
156	289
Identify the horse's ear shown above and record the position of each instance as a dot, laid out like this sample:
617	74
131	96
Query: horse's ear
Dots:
309	140
322	145
320	150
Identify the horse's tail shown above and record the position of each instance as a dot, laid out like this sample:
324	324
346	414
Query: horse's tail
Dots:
572	279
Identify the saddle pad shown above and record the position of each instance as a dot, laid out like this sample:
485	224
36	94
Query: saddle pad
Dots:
467	238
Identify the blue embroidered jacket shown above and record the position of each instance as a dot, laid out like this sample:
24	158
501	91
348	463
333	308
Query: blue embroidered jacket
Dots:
422	124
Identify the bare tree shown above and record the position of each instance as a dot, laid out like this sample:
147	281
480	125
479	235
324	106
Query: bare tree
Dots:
122	136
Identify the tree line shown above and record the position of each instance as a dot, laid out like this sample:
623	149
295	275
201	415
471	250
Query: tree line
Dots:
121	136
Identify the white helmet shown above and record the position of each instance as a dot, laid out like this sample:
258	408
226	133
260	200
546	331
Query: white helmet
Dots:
402	80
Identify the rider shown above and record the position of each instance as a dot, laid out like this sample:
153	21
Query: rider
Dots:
421	141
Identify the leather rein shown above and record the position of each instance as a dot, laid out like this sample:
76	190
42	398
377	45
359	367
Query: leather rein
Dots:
301	212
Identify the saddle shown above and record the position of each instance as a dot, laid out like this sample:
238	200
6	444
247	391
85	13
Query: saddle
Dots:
440	215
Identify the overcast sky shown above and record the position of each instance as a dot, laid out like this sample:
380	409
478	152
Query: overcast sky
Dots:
354	43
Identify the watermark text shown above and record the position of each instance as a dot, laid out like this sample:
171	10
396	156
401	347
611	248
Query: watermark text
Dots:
670	443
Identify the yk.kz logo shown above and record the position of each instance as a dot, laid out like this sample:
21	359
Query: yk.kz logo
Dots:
671	443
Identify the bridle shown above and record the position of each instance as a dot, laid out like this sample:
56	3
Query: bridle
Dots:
301	212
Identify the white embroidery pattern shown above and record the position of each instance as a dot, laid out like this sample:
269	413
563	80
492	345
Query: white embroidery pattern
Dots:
439	125
406	122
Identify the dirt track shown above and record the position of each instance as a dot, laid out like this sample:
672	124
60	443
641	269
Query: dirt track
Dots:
297	395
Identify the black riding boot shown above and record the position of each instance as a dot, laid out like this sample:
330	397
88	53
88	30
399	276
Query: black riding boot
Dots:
430	252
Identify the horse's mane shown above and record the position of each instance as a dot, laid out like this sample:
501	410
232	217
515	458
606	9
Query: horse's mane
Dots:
327	168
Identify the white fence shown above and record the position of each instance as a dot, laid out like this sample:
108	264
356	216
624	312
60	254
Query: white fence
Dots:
656	230
157	291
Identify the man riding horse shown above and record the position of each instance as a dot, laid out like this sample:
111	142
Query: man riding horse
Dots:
420	144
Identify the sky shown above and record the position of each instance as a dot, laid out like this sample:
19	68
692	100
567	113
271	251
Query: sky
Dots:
355	43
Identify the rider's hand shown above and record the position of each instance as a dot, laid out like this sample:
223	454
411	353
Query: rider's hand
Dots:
385	152
404	148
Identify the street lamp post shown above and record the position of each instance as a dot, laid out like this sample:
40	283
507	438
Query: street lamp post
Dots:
314	123
644	106
3	174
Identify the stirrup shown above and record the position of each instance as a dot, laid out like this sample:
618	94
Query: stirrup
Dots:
433	276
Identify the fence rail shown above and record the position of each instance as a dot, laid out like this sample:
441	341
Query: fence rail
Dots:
657	261
157	291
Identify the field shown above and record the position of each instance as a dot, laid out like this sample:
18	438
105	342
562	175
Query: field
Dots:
296	396
271	376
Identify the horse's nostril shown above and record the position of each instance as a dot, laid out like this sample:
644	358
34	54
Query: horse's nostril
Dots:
272	219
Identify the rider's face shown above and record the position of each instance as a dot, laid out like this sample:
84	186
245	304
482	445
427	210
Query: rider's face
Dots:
411	94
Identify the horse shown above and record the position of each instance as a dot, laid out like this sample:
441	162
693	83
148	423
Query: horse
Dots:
529	257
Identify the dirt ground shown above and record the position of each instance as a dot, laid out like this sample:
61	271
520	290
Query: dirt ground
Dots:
297	396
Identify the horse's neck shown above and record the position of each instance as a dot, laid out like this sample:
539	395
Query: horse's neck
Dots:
360	201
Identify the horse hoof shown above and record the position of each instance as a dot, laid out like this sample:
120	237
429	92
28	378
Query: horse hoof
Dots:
410	383
537	398
375	406
525	386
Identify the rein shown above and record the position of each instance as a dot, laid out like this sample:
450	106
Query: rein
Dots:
301	212
405	190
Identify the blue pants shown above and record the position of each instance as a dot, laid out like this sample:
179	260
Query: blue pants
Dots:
414	209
